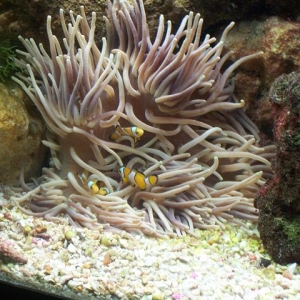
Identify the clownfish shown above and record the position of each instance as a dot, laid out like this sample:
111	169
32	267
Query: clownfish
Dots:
135	132
98	187
136	178
95	186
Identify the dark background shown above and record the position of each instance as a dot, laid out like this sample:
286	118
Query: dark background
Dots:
14	293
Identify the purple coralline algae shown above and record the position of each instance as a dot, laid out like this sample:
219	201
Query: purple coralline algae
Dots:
279	199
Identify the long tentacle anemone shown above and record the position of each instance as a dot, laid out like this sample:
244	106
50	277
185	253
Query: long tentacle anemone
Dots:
195	142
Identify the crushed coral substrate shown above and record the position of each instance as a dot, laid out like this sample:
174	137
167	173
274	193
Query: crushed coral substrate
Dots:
79	263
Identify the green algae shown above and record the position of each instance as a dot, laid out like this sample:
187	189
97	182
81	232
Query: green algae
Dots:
7	64
291	228
295	138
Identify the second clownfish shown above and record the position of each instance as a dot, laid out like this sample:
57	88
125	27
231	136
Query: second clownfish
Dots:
98	187
136	178
95	186
135	132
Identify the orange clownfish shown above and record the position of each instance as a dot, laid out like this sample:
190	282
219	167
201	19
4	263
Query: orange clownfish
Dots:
135	132
136	178
98	187
95	186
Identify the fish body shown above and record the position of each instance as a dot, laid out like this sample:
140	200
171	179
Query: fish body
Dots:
136	178
135	132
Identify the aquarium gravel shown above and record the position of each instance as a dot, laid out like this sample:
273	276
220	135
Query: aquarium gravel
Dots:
219	264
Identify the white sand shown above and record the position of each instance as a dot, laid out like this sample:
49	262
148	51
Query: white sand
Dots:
221	264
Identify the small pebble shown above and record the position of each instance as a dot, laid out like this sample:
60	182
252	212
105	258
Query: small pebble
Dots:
69	234
105	241
71	248
106	259
269	272
286	273
158	296
292	268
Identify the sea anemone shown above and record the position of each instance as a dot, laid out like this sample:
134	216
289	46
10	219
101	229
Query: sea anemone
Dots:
195	140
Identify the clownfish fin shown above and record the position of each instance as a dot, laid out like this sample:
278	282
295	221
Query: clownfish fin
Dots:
103	191
152	179
114	136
